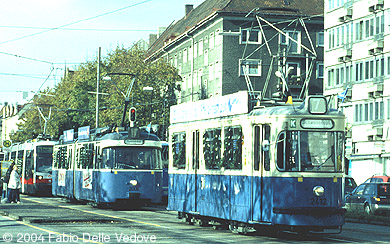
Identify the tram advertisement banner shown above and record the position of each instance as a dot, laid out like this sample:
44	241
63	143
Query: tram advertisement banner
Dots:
236	103
87	179
61	177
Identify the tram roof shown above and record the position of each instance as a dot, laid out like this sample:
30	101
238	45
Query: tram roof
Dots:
301	109
122	135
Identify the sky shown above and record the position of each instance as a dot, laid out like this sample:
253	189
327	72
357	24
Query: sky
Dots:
40	38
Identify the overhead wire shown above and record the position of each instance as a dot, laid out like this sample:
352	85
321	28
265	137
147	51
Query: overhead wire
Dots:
74	29
76	22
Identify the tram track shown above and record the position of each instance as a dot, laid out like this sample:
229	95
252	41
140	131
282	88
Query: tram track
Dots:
154	219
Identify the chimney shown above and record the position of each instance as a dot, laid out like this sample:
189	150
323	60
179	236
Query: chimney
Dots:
188	8
152	39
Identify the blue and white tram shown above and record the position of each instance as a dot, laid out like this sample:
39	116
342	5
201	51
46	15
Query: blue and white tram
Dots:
280	166
110	169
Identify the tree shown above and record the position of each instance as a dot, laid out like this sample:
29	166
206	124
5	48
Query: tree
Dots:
72	105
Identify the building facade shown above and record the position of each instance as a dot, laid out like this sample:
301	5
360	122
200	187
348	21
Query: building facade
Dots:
357	75
222	47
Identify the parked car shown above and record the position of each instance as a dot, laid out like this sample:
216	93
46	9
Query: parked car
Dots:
349	184
372	198
378	178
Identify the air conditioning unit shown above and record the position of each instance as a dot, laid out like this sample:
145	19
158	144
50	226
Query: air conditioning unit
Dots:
375	91
376	47
349	94
346	16
376	5
345	56
375	134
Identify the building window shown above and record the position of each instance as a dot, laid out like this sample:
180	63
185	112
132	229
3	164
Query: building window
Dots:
211	72
369	69
250	36
291	40
206	58
320	70
359	30
200	47
388	108
388	65
251	67
369	27
379	24
330	77
211	41
380	67
359	71
320	39
195	49
218	37
185	55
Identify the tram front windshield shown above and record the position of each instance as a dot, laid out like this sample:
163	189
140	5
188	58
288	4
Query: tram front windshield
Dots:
131	158
310	151
44	159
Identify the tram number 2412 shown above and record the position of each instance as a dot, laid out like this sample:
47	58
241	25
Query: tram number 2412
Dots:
318	201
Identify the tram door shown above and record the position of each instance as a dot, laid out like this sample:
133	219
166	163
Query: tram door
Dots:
195	166
261	163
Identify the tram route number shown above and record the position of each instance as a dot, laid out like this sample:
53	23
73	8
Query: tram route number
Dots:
318	201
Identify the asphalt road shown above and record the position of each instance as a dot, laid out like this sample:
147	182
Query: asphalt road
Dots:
51	220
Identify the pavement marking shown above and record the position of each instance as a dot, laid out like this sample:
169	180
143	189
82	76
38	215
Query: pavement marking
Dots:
48	231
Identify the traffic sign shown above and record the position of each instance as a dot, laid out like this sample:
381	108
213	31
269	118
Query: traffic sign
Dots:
7	143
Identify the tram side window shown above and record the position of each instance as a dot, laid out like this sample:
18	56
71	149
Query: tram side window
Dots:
29	164
212	148
69	156
281	152
62	158
265	149
86	156
20	159
108	157
179	150
232	155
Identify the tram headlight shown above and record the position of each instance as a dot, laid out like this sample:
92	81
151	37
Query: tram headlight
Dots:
318	191
40	177
133	182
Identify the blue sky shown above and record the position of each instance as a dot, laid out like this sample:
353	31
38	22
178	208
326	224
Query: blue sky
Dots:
39	38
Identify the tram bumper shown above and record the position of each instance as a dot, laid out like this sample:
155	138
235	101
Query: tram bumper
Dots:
310	211
313	219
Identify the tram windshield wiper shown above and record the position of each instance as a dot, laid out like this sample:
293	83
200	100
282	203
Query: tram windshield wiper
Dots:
321	164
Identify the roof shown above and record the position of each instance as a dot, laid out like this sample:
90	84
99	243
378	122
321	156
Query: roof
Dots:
210	8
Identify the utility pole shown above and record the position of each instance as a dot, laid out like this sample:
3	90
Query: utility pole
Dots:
97	88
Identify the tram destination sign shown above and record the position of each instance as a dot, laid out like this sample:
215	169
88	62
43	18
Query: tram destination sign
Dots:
233	104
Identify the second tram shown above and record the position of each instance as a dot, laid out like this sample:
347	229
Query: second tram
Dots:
34	158
278	166
109	168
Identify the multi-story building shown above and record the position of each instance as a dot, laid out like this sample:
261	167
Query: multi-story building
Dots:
357	75
9	120
222	47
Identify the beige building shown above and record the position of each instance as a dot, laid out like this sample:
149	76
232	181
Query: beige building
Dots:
11	114
357	65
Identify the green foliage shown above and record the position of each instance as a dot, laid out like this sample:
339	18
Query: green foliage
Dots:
73	105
